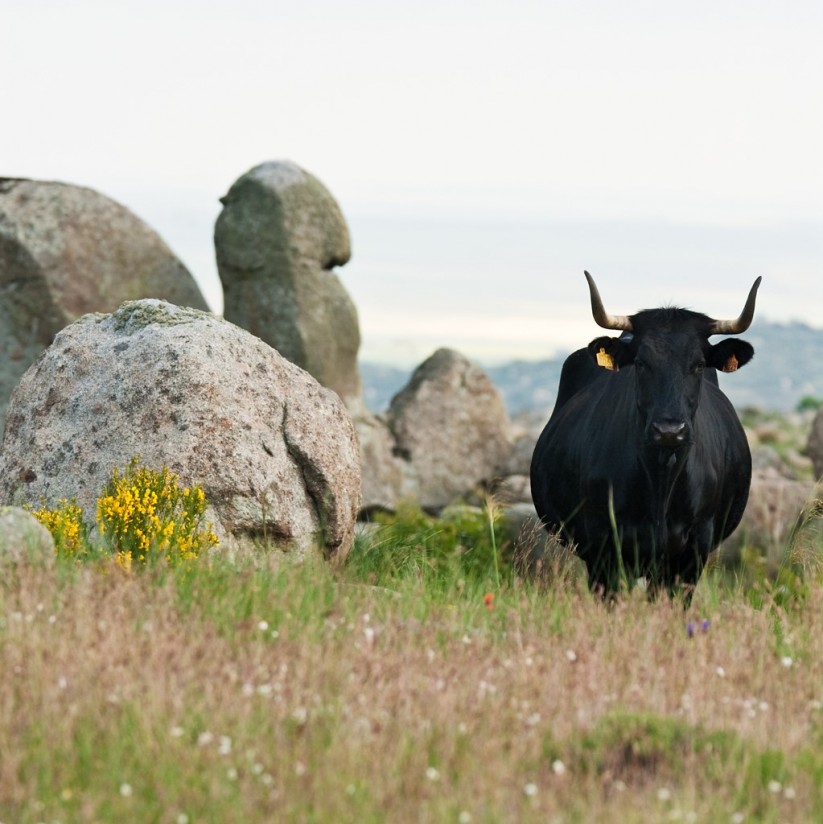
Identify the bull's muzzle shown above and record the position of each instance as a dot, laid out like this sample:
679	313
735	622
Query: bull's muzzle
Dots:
669	433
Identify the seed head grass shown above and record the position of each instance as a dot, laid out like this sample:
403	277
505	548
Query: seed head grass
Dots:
394	689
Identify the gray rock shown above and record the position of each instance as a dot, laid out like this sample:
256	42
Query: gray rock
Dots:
277	240
772	512
275	453
814	449
65	251
23	539
451	427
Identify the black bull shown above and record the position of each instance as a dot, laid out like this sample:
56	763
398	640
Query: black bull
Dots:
644	463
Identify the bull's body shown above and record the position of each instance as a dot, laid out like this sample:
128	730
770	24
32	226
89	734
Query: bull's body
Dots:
645	467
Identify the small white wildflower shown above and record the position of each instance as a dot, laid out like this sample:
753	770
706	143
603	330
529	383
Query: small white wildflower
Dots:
299	768
52	619
263	626
368	632
466	640
182	819
558	767
619	786
534	719
664	794
530	790
224	748
432	774
257	768
465	817
774	786
763	706
204	739
275	633
350	789
366	618
231	773
62	682
789	793
126	790
267	779
738	818
786	661
300	716
720	672
264	689
176	732
571	655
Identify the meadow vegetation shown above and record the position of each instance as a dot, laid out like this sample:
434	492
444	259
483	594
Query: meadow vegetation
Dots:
426	679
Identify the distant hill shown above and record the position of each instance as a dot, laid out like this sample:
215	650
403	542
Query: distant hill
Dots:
787	367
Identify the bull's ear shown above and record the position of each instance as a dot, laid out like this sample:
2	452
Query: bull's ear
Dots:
610	353
730	354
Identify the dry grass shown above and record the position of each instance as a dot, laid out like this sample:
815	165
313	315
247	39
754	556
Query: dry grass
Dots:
241	694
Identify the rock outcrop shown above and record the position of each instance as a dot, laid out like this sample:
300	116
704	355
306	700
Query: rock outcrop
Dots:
65	251
277	241
275	453
451	428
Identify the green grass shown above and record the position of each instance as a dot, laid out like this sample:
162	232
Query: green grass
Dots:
395	689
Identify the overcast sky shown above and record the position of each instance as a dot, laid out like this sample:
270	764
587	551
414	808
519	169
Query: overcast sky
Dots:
483	153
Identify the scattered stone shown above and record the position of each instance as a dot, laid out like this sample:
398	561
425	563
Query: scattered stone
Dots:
772	512
278	238
451	427
67	250
23	539
275	453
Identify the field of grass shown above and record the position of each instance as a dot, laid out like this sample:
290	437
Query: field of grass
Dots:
421	682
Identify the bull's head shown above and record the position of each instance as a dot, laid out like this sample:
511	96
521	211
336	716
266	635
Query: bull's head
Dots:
669	350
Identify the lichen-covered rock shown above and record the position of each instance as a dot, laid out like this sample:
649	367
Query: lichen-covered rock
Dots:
65	251
451	427
277	240
275	452
24	540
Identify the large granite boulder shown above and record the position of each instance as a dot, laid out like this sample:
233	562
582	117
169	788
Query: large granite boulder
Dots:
278	238
451	428
64	251
275	452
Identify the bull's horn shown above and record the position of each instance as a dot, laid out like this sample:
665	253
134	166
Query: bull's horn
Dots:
735	327
601	316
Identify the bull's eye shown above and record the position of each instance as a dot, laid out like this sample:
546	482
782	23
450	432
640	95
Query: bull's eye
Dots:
698	368
639	364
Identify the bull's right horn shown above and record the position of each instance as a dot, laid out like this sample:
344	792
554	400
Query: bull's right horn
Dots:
601	317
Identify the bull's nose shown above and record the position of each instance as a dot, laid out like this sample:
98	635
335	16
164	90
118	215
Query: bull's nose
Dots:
669	433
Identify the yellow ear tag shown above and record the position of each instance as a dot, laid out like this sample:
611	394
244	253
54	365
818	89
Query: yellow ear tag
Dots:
605	360
731	364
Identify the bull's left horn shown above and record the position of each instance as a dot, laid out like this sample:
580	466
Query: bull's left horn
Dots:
735	327
601	317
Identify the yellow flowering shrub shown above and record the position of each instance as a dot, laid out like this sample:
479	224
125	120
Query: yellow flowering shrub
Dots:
67	527
145	515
